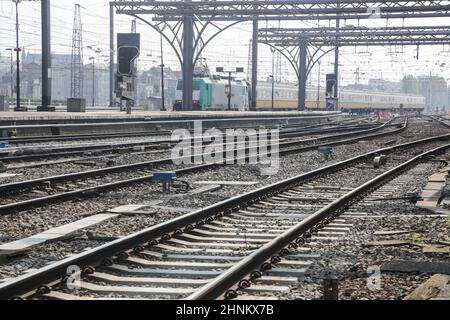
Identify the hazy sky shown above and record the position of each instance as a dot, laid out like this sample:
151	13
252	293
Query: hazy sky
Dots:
230	49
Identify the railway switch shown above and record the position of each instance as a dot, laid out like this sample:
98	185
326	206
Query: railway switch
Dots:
379	161
166	179
326	151
4	144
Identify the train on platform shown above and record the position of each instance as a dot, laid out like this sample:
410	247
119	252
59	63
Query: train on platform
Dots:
212	94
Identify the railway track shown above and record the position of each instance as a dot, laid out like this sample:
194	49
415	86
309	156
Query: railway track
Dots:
80	137
90	137
38	192
35	153
93	152
443	121
209	253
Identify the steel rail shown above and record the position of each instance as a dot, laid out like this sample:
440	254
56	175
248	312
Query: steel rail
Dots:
261	117
103	147
440	121
151	133
99	135
154	163
350	134
86	136
22	205
54	152
217	287
27	283
26	204
28	156
32	203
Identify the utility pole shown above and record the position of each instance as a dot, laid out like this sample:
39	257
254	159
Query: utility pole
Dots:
111	56
163	95
46	58
318	87
278	68
254	65
302	65
336	64
429	92
273	78
229	91
249	61
135	66
17	50
273	92
357	76
133	26
188	63
76	70
93	80
11	71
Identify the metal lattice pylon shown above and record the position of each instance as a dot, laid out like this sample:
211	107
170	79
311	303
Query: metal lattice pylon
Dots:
76	70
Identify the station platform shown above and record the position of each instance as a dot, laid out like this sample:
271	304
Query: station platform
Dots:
25	124
155	115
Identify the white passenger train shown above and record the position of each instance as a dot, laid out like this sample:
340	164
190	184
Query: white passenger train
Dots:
285	97
210	94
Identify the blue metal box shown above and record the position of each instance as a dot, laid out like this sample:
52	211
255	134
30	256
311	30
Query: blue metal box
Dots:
164	176
325	150
4	144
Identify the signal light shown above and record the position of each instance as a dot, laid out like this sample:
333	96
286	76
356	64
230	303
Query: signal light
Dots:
127	54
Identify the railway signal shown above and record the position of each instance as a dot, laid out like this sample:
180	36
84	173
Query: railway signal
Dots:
228	87
128	49
127	56
331	90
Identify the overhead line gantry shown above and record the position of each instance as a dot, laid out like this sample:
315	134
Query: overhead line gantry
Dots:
185	23
304	47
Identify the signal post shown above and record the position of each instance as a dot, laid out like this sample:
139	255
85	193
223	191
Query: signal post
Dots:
128	49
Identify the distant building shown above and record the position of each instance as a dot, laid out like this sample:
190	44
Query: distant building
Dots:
101	85
448	98
149	87
5	75
385	86
433	88
379	85
5	85
30	79
31	76
57	59
148	82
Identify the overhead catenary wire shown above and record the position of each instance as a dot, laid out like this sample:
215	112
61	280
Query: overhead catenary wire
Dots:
95	34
